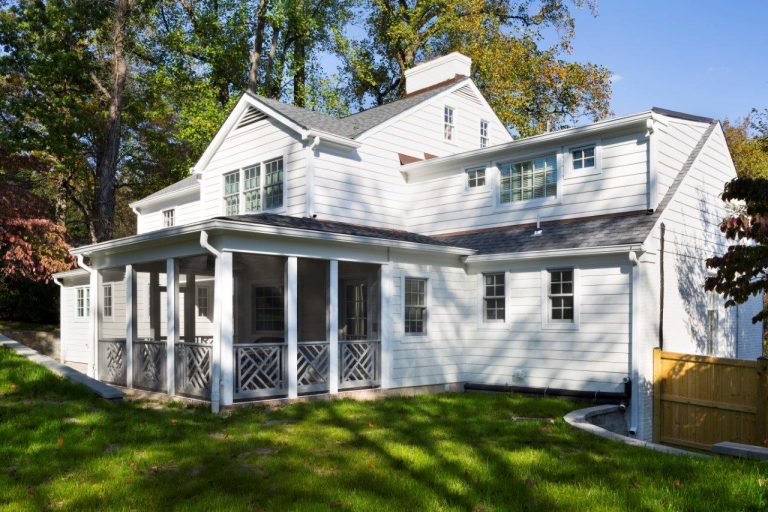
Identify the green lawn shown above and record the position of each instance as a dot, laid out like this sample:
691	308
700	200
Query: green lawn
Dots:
27	326
60	448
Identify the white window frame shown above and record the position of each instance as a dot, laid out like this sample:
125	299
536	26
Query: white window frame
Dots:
485	137
207	297
570	172
486	173
85	310
407	336
560	325
492	324
261	164
527	203
713	338
237	195
452	124
104	289
170	213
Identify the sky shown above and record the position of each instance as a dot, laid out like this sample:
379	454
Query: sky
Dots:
702	57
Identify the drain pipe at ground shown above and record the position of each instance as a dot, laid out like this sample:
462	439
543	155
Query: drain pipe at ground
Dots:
635	393
216	375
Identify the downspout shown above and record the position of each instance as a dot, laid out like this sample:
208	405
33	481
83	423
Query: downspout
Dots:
309	202
663	229
216	385
82	265
635	328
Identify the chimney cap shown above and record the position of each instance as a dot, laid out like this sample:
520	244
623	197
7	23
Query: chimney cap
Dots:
436	71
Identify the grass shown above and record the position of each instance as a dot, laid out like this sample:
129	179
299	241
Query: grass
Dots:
61	448
26	326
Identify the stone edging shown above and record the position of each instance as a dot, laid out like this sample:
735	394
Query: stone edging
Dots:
580	419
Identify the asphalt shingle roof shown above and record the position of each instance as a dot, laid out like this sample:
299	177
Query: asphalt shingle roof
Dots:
189	181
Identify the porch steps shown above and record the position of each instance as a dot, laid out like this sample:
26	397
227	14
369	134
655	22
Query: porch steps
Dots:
103	390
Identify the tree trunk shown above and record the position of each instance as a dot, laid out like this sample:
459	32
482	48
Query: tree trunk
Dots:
300	73
258	44
106	168
271	82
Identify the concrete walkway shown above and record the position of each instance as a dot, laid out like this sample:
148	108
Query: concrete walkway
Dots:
103	390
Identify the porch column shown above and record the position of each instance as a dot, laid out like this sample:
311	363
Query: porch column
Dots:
190	299
94	311
387	292
130	322
172	321
333	325
291	325
222	369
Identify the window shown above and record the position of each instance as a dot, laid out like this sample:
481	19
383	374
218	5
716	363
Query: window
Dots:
232	193
561	295
712	320
252	188
494	303
483	133
83	302
415	305
268	308
532	179
169	218
106	304
583	157
273	186
202	301
448	127
476	178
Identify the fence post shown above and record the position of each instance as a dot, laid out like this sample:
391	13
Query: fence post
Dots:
657	395
762	396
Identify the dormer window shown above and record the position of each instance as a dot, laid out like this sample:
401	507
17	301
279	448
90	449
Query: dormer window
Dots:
583	157
527	180
448	126
169	218
263	188
483	133
476	177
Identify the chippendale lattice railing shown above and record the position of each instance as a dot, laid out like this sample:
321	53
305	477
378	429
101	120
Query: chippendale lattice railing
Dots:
359	364
313	366
193	367
259	370
149	365
112	361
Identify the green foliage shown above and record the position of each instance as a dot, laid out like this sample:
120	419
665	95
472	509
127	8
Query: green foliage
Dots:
741	271
748	143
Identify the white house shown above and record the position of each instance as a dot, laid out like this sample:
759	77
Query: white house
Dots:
415	244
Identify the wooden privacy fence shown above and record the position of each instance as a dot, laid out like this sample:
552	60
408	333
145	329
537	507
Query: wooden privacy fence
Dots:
701	400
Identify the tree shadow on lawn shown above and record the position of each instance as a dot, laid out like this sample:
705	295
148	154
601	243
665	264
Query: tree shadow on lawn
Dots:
61	448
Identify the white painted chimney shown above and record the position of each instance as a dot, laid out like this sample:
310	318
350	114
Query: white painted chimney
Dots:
436	71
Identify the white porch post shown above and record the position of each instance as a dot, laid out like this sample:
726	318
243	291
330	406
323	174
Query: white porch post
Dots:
291	310
223	374
387	290
172	320
333	326
130	322
94	311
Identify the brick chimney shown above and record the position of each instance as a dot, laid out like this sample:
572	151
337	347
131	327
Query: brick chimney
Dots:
436	71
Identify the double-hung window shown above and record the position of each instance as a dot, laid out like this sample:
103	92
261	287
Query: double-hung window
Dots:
448	126
483	133
476	177
712	320
583	157
494	297
169	218
232	193
263	187
202	301
561	305
83	302
415	306
106	301
531	179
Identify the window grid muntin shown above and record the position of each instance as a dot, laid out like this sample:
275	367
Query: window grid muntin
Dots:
252	188
561	295
448	124
494	297
83	305
476	177
106	301
268	308
529	179
232	193
583	157
202	301
415	305
273	184
483	133
169	218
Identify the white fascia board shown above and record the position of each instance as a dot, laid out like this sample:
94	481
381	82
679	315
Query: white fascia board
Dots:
492	152
218	139
221	225
137	205
71	273
417	106
555	253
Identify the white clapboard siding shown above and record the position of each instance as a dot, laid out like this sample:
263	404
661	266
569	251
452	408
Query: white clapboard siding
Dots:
74	330
186	211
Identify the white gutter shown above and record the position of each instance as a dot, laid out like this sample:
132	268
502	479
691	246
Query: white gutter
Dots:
207	246
554	253
81	261
310	188
635	339
331	139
